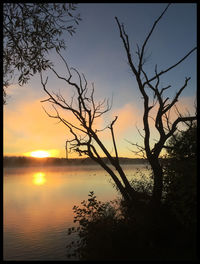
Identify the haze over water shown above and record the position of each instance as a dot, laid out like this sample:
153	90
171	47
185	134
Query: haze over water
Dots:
38	206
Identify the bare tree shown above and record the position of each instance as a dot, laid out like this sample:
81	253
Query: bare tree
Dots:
85	136
162	122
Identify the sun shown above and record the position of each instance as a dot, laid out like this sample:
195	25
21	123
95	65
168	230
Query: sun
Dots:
40	154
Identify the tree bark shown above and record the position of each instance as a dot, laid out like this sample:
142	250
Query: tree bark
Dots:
158	182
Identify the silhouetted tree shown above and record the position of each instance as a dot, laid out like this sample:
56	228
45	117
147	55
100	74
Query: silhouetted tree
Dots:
85	135
30	31
163	124
180	176
183	145
86	111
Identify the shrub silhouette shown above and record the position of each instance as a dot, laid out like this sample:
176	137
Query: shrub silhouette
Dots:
106	232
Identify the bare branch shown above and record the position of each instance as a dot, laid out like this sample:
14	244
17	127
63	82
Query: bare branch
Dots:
147	38
65	62
141	149
125	40
113	138
177	111
167	118
86	111
177	121
171	67
177	96
163	113
139	132
165	88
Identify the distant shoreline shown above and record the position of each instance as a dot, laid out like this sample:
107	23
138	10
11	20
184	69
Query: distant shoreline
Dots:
23	161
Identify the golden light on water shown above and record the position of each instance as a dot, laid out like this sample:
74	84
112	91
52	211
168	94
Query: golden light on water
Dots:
39	178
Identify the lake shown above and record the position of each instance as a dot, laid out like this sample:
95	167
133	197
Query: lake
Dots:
38	205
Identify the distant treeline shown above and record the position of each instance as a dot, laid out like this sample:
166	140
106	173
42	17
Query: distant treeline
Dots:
22	161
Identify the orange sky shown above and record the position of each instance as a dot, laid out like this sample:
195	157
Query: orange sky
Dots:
40	201
27	128
97	51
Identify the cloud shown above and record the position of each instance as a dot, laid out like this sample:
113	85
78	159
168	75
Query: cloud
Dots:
128	117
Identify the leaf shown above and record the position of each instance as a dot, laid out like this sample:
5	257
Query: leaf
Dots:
20	77
27	72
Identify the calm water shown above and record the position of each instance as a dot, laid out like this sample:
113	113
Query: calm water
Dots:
38	207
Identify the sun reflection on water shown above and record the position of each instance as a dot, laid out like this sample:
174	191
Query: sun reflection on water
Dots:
39	178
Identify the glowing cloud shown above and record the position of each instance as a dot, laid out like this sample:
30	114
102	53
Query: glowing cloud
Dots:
128	116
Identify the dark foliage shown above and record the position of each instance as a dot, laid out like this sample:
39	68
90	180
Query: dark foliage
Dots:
183	145
117	231
30	31
181	177
111	231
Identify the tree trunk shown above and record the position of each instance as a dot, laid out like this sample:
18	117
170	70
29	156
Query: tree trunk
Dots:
158	182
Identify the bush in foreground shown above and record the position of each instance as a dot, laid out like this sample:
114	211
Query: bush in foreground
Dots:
106	232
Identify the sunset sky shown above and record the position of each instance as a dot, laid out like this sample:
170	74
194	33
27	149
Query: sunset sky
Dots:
97	51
